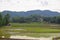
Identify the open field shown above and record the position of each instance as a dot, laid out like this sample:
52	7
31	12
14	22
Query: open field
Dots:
31	29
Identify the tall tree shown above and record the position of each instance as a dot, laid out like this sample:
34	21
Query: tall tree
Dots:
6	18
0	19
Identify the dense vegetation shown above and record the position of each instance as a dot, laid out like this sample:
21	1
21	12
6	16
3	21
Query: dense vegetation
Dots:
4	20
36	18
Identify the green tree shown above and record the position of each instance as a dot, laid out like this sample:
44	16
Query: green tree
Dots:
58	19
0	19
6	19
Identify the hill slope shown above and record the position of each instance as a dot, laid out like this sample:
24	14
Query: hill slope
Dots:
27	13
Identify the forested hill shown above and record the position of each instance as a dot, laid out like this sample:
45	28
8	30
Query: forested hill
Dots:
27	13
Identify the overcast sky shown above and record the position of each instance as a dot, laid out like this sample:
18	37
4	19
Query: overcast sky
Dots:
25	5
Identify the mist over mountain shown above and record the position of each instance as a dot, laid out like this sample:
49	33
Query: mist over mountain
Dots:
31	12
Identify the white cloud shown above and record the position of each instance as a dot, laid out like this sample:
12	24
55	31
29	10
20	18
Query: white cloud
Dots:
24	5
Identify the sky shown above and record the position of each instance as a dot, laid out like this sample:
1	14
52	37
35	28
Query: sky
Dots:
26	5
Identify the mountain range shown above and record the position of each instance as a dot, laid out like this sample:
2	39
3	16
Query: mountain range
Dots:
31	12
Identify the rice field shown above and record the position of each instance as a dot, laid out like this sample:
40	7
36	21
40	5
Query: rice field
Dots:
30	29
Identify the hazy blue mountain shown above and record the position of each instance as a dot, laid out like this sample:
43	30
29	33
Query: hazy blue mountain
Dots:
27	13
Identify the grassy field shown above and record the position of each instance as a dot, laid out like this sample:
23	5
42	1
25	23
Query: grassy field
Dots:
30	29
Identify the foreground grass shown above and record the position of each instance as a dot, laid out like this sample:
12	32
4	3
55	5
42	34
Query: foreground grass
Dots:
30	29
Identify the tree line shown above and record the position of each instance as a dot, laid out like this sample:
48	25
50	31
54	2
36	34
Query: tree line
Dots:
4	19
36	18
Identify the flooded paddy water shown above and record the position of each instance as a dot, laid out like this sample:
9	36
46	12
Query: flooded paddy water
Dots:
38	36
